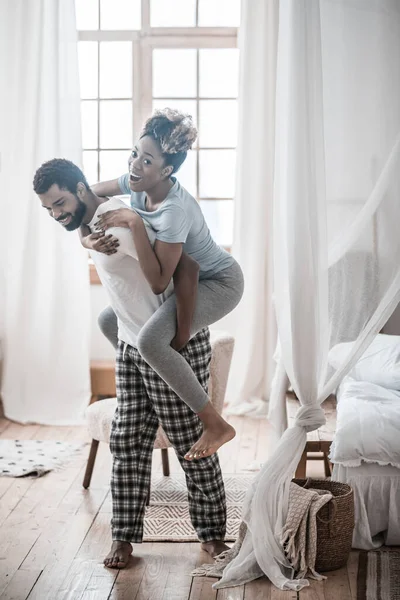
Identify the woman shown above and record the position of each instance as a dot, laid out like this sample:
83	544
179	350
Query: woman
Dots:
158	198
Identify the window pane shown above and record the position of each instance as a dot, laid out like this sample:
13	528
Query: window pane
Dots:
90	166
218	123
219	73
187	173
174	73
120	14
87	14
115	124
185	106
88	61
115	70
217	173
173	13
113	164
89	115
219	217
224	13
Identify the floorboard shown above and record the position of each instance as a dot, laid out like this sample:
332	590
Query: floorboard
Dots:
54	534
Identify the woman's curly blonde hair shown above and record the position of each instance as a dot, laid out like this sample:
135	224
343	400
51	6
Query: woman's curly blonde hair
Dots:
175	133
172	129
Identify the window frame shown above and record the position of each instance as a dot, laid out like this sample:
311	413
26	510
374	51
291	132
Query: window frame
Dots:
144	41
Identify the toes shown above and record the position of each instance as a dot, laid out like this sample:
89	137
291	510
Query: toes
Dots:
207	452
196	453
190	455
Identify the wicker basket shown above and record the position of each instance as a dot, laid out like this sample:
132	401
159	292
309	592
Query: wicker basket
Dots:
335	523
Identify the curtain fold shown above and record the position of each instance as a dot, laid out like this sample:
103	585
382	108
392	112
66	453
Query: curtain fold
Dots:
337	170
45	312
255	330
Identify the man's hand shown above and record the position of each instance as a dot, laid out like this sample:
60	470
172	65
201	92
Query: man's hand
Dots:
122	217
100	242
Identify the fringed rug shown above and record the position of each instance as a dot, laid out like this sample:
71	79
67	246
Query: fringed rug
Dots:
20	458
167	518
379	575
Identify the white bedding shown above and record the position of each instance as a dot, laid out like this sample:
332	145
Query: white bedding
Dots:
377	503
380	363
368	425
366	455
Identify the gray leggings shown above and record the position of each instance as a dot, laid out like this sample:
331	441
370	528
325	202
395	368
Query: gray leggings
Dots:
216	298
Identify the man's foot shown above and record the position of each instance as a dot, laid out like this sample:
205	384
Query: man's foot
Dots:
214	547
118	557
211	439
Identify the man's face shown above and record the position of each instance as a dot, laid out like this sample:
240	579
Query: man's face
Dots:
64	207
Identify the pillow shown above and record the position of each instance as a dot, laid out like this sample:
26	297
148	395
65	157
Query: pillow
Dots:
368	425
380	363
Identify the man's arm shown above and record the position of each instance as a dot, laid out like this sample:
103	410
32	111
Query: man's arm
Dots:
158	263
186	279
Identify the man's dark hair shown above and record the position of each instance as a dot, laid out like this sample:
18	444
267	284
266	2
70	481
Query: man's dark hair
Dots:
60	171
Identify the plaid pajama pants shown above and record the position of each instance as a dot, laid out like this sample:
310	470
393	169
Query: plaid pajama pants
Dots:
144	402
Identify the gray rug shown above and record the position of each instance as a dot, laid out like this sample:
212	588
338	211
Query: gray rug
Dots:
379	575
20	458
167	517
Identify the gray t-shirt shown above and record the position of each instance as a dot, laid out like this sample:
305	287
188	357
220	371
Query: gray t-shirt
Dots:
179	219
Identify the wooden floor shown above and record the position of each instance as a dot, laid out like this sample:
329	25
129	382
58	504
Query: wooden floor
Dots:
53	534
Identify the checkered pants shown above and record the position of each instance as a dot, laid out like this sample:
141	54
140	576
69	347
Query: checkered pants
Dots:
144	402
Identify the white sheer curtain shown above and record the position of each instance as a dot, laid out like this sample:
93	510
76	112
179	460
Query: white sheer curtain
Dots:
255	333
45	303
336	215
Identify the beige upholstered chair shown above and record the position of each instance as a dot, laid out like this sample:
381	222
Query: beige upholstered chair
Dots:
99	415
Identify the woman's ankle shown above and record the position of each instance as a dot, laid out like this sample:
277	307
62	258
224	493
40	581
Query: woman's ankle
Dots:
210	417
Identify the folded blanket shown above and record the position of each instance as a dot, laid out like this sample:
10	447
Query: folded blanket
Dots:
298	536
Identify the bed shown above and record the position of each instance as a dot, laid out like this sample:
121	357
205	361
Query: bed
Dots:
366	446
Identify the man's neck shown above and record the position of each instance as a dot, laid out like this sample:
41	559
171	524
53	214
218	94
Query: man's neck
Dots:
92	204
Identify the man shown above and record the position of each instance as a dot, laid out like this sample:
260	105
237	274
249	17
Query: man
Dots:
144	400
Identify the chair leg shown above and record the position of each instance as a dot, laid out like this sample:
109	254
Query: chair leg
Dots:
90	463
327	466
165	461
302	466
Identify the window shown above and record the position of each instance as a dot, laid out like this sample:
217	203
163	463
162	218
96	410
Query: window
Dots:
138	55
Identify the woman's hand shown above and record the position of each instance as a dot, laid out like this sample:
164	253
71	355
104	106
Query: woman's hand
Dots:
180	340
122	217
98	241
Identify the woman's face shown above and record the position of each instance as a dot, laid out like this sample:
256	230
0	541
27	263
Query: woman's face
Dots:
146	166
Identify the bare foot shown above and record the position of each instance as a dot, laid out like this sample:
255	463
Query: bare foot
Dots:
214	547
211	439
118	556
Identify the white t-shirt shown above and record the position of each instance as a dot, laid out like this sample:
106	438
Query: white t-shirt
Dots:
129	292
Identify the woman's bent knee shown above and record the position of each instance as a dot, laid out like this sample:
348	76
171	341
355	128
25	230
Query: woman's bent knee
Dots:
108	324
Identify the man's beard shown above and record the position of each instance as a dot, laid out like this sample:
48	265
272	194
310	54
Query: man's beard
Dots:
77	218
